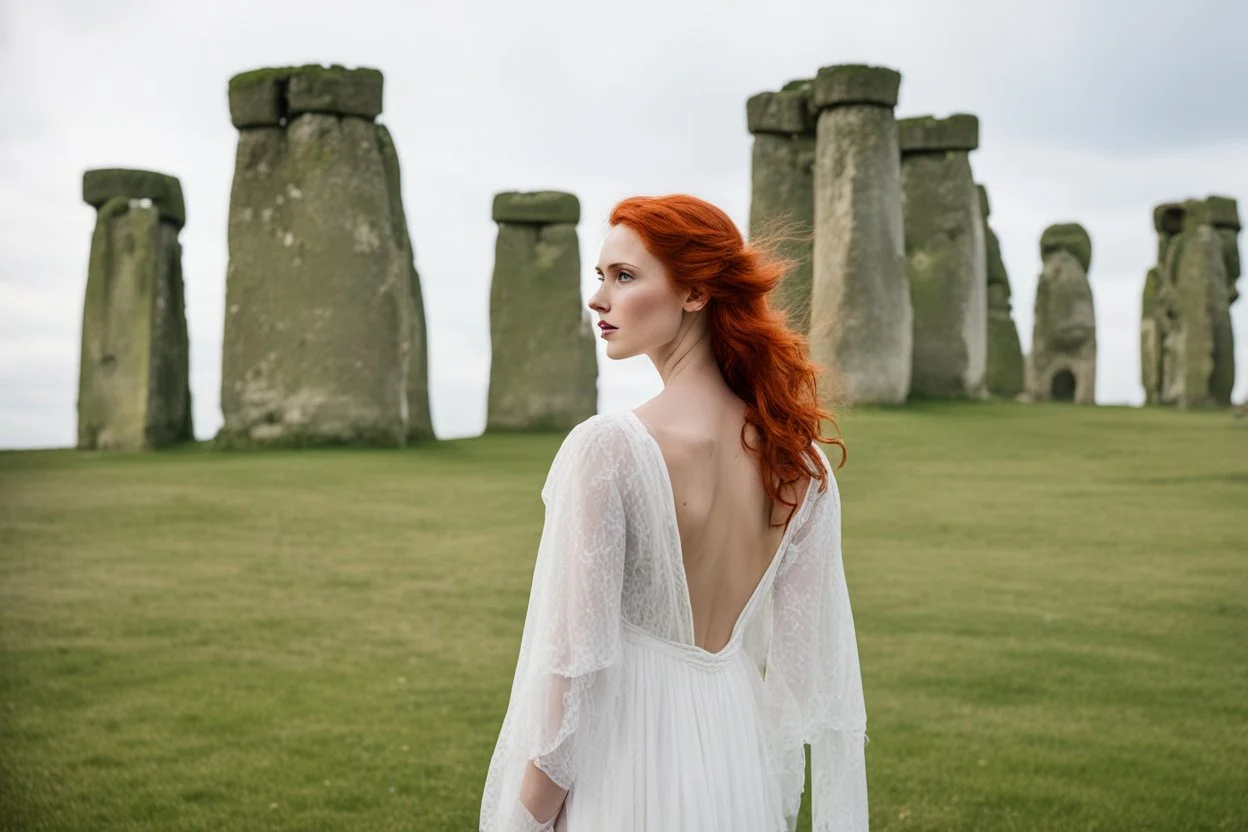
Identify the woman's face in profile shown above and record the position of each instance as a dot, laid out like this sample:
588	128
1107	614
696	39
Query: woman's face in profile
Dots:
635	296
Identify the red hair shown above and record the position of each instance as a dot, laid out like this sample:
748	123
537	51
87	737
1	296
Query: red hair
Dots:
763	361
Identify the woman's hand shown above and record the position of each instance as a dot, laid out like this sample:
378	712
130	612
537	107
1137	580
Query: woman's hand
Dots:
540	797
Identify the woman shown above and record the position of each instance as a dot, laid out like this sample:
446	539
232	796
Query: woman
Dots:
689	627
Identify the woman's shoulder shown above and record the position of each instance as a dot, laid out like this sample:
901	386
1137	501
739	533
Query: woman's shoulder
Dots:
598	445
599	432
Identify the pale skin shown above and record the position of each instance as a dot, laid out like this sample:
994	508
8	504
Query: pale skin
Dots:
722	510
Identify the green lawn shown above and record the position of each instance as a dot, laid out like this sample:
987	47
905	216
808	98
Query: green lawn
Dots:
1051	601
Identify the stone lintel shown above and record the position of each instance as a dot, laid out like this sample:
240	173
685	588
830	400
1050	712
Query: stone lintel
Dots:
1070	237
165	192
267	97
786	113
1168	217
536	207
843	84
925	134
1224	212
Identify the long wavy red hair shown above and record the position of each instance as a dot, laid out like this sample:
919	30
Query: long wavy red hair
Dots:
763	361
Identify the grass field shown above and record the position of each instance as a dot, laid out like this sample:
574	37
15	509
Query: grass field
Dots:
1051	602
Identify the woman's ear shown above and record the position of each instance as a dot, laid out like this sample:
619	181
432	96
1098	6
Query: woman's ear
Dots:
695	300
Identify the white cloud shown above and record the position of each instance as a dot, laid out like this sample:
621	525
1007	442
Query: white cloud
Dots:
1091	112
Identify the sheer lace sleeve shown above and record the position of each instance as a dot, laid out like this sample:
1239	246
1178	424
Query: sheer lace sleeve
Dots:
568	667
813	678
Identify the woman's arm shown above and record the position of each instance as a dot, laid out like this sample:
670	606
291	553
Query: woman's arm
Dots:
569	650
814	676
542	796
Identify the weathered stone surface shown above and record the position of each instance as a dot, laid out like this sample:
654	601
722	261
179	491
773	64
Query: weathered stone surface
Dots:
856	84
1156	310
1223	212
1167	221
782	202
258	98
1151	328
1230	255
1005	375
995	264
1062	363
1224	217
1070	237
536	207
861	316
416	353
268	97
165	192
930	134
336	89
946	263
784	113
133	386
1168	218
320	309
543	369
1197	366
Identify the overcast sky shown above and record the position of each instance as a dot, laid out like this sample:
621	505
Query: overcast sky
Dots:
1089	111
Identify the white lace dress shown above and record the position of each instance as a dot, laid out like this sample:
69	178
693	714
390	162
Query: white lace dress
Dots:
615	702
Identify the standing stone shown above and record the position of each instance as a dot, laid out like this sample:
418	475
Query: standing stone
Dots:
1062	364
414	351
1157	310
946	260
782	188
1198	361
324	332
543	367
861	317
134	379
1005	373
1224	217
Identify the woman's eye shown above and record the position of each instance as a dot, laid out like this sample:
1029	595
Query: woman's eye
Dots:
623	275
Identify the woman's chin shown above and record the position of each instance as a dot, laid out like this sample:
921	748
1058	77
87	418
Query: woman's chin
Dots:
616	352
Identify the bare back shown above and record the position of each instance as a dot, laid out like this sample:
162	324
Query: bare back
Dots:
723	515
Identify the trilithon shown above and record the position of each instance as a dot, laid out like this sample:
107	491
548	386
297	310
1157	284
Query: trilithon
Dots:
325	338
134	377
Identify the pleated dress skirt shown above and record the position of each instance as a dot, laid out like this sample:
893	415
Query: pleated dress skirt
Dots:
685	752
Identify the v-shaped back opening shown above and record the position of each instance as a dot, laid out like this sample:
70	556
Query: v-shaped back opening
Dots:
746	610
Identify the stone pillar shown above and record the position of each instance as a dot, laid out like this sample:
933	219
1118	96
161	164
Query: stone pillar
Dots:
1157	310
413	348
134	378
782	184
1005	375
1224	216
543	367
1198	362
1062	364
861	317
946	259
324	331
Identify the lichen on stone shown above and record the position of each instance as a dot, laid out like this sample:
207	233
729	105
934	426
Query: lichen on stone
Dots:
844	84
958	132
165	192
536	207
1070	237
